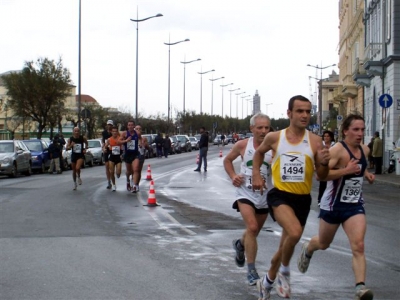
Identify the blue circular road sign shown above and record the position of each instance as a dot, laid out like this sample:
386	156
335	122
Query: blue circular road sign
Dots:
385	100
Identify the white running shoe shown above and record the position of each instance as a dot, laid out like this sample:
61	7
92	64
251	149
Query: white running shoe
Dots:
79	181
304	260
114	188
283	285
75	186
264	293
363	293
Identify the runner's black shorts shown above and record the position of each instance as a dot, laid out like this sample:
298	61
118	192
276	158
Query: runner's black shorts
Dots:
258	211
300	204
76	156
129	157
116	159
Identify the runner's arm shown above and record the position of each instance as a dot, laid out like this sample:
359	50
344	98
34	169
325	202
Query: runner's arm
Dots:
228	163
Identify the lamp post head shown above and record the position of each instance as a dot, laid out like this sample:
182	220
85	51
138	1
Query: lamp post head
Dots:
159	15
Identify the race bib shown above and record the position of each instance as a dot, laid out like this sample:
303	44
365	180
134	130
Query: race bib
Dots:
116	150
77	148
351	190
131	145
293	167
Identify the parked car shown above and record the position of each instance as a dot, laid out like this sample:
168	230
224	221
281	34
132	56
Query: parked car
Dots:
248	135
96	148
184	143
229	139
194	142
153	150
15	158
218	141
174	145
40	154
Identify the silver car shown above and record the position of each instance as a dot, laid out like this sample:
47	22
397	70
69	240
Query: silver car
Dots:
96	148
194	142
15	158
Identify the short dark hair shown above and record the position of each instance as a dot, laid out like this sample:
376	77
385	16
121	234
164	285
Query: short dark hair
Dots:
347	121
202	127
297	97
377	133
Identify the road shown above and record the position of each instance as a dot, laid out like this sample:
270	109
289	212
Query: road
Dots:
92	243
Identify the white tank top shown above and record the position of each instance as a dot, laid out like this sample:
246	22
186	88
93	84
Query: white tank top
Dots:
245	191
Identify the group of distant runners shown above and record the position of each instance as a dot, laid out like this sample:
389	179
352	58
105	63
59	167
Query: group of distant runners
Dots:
128	146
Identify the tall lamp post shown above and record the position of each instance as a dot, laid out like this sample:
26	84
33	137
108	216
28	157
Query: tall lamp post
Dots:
184	78
243	97
79	68
137	55
249	100
169	44
201	88
320	93
266	108
212	92
222	86
230	101
237	109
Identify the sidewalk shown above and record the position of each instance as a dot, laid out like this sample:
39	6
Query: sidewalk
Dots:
391	179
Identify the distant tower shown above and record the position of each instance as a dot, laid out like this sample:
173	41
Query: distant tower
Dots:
256	103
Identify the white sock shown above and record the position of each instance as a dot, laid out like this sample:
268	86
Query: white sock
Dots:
283	269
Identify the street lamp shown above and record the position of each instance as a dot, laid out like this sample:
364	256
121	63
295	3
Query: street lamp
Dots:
201	88
237	110
230	101
266	108
243	97
137	54
320	94
222	86
248	100
212	92
184	77
79	68
169	44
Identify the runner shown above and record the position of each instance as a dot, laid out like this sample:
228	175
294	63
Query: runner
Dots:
328	140
343	203
130	139
75	143
143	145
296	153
113	146
252	205
105	135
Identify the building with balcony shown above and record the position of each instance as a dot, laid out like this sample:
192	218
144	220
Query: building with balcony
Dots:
381	62
348	97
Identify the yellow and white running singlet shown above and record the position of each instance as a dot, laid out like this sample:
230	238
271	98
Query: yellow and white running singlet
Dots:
245	191
293	165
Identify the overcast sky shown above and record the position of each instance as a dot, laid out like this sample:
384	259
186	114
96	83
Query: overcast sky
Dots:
261	45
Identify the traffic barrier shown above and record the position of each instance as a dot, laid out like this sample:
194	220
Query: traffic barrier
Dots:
151	200
148	176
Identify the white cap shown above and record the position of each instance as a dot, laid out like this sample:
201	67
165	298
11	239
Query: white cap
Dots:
110	122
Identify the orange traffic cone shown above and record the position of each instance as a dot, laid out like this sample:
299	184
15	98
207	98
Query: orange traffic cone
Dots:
148	176
197	159
220	153
151	200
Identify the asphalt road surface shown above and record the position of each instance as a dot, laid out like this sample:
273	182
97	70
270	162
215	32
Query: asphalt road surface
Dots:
56	243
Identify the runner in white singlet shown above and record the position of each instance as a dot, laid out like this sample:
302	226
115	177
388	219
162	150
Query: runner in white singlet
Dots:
252	205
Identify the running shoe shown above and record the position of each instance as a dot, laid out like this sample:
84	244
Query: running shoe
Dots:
304	260
75	186
79	181
114	188
264	292
362	293
134	189
252	277
239	256
109	186
137	188
128	186
283	285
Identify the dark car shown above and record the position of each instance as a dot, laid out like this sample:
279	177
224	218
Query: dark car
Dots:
153	150
184	143
174	145
40	154
15	158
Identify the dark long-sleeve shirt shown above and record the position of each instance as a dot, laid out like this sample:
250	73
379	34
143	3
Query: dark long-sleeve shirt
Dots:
203	140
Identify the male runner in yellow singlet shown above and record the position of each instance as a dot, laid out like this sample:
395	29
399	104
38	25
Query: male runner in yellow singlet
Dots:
296	153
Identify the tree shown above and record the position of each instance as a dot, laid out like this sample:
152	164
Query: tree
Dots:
38	90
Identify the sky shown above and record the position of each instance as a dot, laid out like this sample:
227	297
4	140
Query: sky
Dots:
258	45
